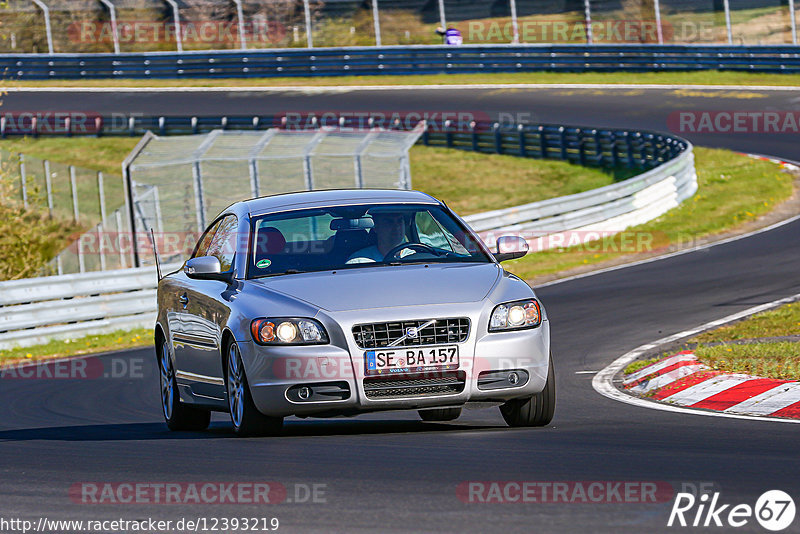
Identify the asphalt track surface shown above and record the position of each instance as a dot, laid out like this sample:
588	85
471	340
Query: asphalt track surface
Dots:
390	472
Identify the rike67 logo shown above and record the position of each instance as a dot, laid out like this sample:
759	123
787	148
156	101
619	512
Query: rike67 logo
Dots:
774	510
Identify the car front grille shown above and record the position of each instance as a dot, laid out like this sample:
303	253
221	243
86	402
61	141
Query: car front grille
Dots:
380	335
392	387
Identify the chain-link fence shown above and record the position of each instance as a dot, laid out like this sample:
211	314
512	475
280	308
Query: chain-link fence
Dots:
57	26
180	183
90	198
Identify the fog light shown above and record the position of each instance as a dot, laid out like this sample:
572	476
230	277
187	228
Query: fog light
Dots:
304	393
513	378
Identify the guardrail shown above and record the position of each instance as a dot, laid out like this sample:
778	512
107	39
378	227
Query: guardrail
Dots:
36	310
400	60
597	213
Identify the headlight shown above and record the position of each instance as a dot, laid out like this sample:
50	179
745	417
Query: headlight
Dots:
288	331
516	315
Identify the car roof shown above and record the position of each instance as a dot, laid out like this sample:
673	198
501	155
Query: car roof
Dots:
332	197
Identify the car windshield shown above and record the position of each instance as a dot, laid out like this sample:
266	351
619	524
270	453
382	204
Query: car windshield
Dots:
357	237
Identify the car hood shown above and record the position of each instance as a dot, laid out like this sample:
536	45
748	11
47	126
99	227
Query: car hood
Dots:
385	286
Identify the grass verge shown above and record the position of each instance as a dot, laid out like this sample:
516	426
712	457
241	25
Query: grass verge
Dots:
118	340
783	321
770	360
611	78
640	364
96	153
733	190
470	182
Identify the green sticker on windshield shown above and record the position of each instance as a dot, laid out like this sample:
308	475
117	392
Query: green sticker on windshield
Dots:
263	264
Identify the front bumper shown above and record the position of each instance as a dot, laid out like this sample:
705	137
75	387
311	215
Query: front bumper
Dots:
275	373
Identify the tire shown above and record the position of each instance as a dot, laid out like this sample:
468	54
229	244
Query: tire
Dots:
533	411
246	419
440	414
179	416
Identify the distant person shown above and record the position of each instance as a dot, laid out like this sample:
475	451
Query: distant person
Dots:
451	36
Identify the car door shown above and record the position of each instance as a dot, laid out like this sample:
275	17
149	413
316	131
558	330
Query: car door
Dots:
208	310
182	325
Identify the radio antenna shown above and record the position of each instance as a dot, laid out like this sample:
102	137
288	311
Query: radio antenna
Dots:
155	253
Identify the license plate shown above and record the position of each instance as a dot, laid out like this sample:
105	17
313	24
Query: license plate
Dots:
410	359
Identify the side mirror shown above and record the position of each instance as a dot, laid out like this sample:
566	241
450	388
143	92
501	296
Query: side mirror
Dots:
510	247
206	268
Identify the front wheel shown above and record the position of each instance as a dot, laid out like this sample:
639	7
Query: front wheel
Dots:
178	415
533	411
246	419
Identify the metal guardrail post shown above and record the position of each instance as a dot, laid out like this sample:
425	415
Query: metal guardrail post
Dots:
473	135
23	180
309	29
587	12
598	147
102	195
614	150
376	22
357	153
442	17
240	17
49	186
793	22
74	189
448	133
659	29
177	18
127	186
197	182
113	12
48	30
100	241
81	260
727	6
498	138
514	22
542	142
118	220
308	171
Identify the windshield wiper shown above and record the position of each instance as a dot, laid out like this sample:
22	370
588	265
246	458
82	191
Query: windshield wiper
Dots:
287	271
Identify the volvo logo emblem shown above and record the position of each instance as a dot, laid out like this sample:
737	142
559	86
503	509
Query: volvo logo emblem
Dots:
412	332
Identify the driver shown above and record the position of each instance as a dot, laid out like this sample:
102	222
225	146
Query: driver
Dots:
390	231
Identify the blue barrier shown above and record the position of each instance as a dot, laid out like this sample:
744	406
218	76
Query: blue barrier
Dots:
401	60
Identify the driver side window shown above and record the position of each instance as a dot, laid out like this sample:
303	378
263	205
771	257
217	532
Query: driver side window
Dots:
205	241
223	244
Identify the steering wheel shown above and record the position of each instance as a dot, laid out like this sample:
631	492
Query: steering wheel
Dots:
419	247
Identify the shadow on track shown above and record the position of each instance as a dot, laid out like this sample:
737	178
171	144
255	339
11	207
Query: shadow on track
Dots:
159	431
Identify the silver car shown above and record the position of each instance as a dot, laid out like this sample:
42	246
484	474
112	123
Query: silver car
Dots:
336	303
